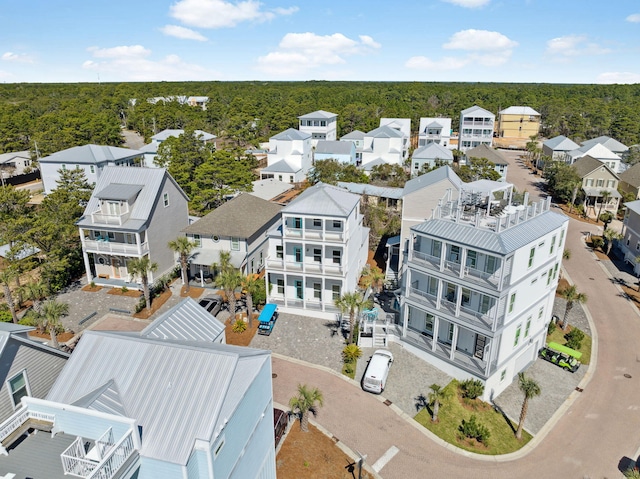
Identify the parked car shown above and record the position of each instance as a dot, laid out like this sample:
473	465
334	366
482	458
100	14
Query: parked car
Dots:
212	304
267	319
566	358
375	376
280	424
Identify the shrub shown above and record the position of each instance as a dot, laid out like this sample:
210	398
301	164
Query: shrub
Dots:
124	289
239	326
597	242
471	388
351	353
574	338
5	314
551	328
92	284
141	305
473	430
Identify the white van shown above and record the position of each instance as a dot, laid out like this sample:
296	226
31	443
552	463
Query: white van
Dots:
375	377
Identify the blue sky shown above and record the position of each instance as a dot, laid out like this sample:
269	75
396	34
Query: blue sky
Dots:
559	41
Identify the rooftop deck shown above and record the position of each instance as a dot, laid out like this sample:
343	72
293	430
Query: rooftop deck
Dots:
37	456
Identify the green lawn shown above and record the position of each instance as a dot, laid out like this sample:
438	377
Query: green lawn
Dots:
502	440
558	337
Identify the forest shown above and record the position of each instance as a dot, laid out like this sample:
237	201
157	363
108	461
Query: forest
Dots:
46	118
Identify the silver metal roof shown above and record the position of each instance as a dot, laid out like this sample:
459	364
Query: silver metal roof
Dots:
385	132
354	135
335	147
431	178
186	320
599	152
503	242
291	135
433	151
610	143
372	190
164	134
633	206
485	151
318	114
561	143
106	399
430	122
323	200
519	110
282	166
90	154
176	390
476	110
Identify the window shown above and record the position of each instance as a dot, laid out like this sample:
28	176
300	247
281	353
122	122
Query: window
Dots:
299	290
92	168
335	292
197	240
516	340
450	333
590	182
215	238
113	208
64	167
512	302
219	447
549	276
555	271
261	259
532	254
485	304
279	177
472	259
165	199
466	296
252	268
235	244
541	312
337	224
280	285
337	256
561	237
428	323
18	387
553	245
279	254
527	327
290	178
317	255
416	166
454	254
317	222
297	223
111	236
503	374
297	254
317	291
600	183
490	265
611	183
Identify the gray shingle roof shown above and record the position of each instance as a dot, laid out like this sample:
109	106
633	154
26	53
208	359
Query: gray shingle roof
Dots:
153	180
7	157
485	151
291	135
90	155
631	175
432	151
431	178
323	200
334	147
502	243
587	164
185	321
178	391
318	114
385	132
561	143
240	217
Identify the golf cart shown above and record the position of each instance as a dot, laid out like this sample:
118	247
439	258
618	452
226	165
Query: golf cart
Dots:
563	356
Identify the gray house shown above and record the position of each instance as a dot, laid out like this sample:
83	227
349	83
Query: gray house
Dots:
132	213
558	148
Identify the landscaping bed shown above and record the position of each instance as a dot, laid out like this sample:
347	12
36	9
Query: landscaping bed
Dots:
91	289
240	339
156	304
558	336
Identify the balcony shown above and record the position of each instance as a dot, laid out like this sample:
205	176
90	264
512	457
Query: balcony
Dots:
106	246
477	122
99	218
486	279
314	234
423	297
311	267
19	422
432	262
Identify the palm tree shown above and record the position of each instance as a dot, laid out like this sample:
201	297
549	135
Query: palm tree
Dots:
142	267
610	235
6	276
183	247
436	397
308	400
351	353
52	311
530	388
250	285
351	303
35	291
372	277
571	296
604	197
229	280
224	262
574	193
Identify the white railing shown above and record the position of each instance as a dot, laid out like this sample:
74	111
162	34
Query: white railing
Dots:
116	457
429	298
419	255
18	419
100	218
104	443
115	247
74	461
333	236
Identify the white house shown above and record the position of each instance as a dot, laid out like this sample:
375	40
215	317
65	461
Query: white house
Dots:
427	156
600	153
342	151
150	150
92	159
318	251
476	128
132	213
610	143
558	148
14	163
357	138
321	125
479	284
403	125
239	227
129	406
435	130
290	156
384	145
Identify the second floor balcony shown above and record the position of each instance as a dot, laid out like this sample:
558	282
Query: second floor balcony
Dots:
114	247
98	217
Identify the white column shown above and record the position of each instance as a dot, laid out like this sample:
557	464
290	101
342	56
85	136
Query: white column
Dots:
454	342
443	255
463	261
436	328
458	299
439	294
139	244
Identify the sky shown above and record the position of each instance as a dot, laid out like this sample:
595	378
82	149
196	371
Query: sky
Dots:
550	41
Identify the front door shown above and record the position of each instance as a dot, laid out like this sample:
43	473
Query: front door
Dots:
481	342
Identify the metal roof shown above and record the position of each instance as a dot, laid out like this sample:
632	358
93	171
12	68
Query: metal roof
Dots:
177	391
282	166
291	135
372	190
269	188
633	206
186	320
90	154
24	252
431	122
431	178
610	143
368	166
478	110
519	110
599	151
119	192
385	131
335	147
503	243
485	151
242	217
168	133
561	143
7	157
354	135
153	180
318	114
432	151
106	399
597	192
323	200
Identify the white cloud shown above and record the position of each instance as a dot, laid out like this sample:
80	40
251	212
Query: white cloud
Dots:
183	33
574	45
468	3
132	61
634	18
446	63
300	52
221	13
618	77
479	40
15	57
